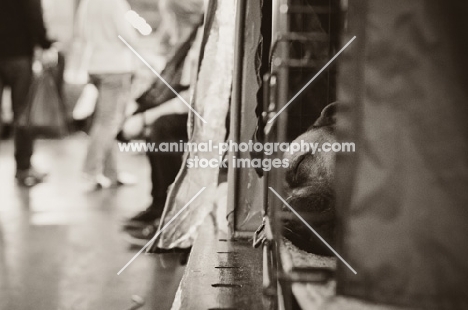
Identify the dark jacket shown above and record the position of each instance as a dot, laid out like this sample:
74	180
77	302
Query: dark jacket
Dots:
21	28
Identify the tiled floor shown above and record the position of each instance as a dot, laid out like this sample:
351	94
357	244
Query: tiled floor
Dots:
60	245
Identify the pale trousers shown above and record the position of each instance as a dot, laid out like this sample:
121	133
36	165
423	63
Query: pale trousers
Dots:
114	94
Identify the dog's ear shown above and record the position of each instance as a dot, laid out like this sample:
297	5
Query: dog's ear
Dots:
328	116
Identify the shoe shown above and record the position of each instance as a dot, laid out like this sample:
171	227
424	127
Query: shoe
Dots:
140	236
29	177
94	183
124	179
102	181
142	219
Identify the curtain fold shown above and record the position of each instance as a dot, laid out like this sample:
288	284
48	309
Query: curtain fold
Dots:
403	196
211	101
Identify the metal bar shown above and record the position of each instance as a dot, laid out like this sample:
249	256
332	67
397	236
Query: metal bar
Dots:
269	283
303	9
233	175
309	275
303	36
241	234
296	63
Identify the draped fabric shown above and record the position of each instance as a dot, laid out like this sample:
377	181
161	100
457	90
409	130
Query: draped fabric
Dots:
403	196
158	93
211	101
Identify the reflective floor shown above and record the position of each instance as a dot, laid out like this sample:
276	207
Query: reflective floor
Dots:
60	245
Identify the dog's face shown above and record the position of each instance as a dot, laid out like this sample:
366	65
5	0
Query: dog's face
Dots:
309	186
310	174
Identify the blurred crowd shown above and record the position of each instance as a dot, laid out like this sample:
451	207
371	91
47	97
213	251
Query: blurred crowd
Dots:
118	95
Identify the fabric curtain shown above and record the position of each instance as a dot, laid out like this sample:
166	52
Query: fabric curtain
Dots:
403	196
211	101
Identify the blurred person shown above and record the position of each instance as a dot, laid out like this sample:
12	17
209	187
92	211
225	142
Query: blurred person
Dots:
110	69
167	122
22	29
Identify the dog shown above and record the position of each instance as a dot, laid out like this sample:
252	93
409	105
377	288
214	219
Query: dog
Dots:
309	186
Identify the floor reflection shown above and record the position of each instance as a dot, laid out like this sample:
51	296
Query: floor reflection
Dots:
60	246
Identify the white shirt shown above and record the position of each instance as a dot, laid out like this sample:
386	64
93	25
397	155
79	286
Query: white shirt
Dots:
99	23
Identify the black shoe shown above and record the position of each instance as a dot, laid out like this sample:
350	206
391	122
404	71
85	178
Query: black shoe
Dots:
29	177
142	219
140	236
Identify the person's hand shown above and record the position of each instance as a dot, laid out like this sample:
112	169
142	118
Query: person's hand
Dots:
133	127
49	57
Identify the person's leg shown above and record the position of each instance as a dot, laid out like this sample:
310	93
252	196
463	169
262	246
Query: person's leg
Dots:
18	73
114	92
1	97
164	166
110	165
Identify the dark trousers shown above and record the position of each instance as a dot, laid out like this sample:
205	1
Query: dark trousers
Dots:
17	73
165	165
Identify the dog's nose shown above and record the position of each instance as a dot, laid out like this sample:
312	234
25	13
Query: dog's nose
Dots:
292	171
